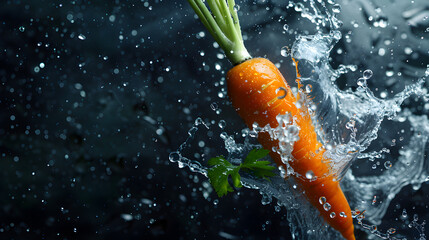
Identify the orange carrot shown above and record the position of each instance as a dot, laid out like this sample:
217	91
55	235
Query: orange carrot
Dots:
253	90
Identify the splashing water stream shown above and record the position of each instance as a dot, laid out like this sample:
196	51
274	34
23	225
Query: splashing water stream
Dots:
347	122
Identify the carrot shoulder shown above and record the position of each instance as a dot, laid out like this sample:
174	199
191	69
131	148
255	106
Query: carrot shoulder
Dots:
253	88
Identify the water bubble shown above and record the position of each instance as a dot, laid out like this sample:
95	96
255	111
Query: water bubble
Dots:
214	106
284	51
216	202
308	88
192	131
391	231
299	7
283	92
332	215
285	27
387	164
327	206
367	74
22	29
222	124
309	174
373	229
322	200
174	157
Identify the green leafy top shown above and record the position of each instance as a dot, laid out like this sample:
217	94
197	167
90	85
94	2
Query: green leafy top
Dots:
221	169
223	24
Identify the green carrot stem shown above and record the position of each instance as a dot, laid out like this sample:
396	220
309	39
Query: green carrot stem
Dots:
223	24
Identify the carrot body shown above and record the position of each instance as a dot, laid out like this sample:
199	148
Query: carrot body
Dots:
252	89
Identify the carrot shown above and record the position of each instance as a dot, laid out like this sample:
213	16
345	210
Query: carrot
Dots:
253	87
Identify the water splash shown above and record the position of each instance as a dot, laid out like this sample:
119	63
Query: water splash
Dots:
347	122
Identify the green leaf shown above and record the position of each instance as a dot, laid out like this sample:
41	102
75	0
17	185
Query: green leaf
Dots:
219	173
261	169
255	155
219	160
221	169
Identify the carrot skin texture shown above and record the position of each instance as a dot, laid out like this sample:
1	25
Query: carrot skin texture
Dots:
252	89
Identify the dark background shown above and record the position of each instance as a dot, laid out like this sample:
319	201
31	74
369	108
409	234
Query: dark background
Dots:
94	95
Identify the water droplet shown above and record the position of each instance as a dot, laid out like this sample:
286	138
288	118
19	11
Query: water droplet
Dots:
174	157
22	29
308	88
192	131
256	127
284	51
181	165
391	231
336	8
327	206
332	215
343	214
285	27
216	202
350	124
361	82
283	92
373	229
367	74
81	37
266	199
127	217
309	174
293	132
299	7
387	164
322	200
404	213
214	106
222	124
408	50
